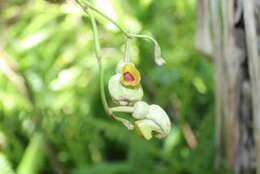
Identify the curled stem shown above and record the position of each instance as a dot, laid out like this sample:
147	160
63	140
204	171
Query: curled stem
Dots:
157	50
158	59
86	4
144	37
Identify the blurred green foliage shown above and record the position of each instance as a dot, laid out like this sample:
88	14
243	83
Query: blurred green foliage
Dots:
66	128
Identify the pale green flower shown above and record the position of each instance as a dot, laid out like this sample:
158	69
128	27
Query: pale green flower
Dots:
124	95
152	120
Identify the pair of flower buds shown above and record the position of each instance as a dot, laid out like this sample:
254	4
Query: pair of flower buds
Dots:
126	90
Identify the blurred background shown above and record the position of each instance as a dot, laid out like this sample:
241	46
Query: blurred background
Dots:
51	116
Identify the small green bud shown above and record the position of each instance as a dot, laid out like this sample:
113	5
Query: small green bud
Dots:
141	110
155	121
158	55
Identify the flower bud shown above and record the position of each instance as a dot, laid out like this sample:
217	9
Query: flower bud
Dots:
155	122
141	110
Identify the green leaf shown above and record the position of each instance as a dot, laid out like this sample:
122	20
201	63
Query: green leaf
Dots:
33	156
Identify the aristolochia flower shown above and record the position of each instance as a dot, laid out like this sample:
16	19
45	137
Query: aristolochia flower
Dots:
152	120
124	87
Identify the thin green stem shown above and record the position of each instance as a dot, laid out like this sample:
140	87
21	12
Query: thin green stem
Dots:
125	109
85	5
95	36
144	37
99	60
127	57
157	50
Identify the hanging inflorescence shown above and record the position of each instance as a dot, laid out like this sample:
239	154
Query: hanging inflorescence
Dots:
125	86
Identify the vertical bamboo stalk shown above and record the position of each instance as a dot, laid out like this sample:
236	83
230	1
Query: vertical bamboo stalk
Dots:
231	64
254	66
218	72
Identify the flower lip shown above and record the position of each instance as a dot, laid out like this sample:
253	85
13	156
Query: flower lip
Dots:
130	76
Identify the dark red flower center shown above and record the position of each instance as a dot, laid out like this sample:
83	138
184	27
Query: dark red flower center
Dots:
128	77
